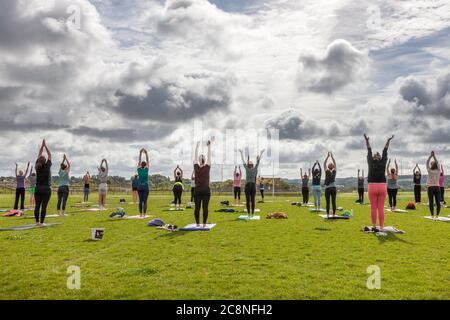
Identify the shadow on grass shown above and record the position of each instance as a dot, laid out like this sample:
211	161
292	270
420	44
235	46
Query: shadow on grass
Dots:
322	229
391	237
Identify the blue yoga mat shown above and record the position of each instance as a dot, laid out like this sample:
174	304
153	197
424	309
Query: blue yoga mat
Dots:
27	227
245	217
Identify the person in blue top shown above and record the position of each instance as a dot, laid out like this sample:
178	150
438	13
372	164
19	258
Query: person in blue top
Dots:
143	188
63	187
134	187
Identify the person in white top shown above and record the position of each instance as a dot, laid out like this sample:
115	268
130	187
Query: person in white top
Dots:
433	184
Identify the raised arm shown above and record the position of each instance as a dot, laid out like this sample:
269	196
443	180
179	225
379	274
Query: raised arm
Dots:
367	141
17	169
442	169
258	158
388	167
388	142
68	163
140	157
196	153
301	173
147	161
31	171
396	166
334	161
240	172
309	173
326	161
49	154
358	173
363	174
242	157
28	167
208	161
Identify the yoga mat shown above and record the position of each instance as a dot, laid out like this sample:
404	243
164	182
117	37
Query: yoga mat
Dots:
256	210
174	209
443	219
244	217
95	209
397	210
137	217
193	227
47	216
334	218
320	210
27	227
388	229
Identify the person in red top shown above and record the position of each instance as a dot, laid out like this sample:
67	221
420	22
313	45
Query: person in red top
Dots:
202	168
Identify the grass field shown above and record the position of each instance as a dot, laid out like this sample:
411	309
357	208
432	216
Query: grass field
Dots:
303	257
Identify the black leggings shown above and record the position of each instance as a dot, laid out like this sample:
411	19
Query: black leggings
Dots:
442	194
202	196
237	193
262	193
42	197
63	195
330	194
250	195
361	195
192	194
177	193
143	199
417	193
20	194
392	193
434	194
305	194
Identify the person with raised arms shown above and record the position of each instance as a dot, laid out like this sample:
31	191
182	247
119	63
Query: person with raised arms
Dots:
103	184
442	185
315	187
377	182
434	192
417	177
237	177
361	187
32	187
63	186
305	187
20	187
178	187
87	184
392	184
202	169
143	188
43	184
251	172
330	183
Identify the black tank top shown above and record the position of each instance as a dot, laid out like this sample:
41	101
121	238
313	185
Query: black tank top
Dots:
316	178
417	178
360	183
330	177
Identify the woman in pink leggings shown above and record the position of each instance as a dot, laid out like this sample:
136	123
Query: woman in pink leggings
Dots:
377	182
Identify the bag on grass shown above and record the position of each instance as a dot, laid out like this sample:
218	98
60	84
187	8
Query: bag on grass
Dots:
410	206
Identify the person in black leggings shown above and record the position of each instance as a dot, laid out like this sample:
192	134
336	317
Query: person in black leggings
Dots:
20	187
360	187
330	183
305	188
417	177
178	187
251	172
433	184
202	168
43	184
261	188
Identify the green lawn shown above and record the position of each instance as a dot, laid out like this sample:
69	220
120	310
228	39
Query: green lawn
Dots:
303	257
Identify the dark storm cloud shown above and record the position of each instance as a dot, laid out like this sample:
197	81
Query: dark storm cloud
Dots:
294	126
341	65
431	97
6	126
174	103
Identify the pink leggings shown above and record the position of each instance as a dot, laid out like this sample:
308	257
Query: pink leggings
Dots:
377	195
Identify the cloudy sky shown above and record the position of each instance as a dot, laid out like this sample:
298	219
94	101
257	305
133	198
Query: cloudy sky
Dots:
103	78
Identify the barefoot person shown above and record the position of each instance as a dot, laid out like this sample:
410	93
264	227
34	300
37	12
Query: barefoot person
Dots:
434	192
134	188
237	185
103	184
360	187
202	168
20	187
442	185
63	187
305	187
330	183
251	172
43	184
87	184
32	187
315	187
261	187
143	187
178	187
377	182
417	177
392	184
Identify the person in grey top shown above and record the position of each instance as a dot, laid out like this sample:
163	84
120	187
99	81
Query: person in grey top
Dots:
20	187
251	172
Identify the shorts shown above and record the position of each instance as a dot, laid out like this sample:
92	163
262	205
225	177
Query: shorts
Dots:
32	190
102	188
